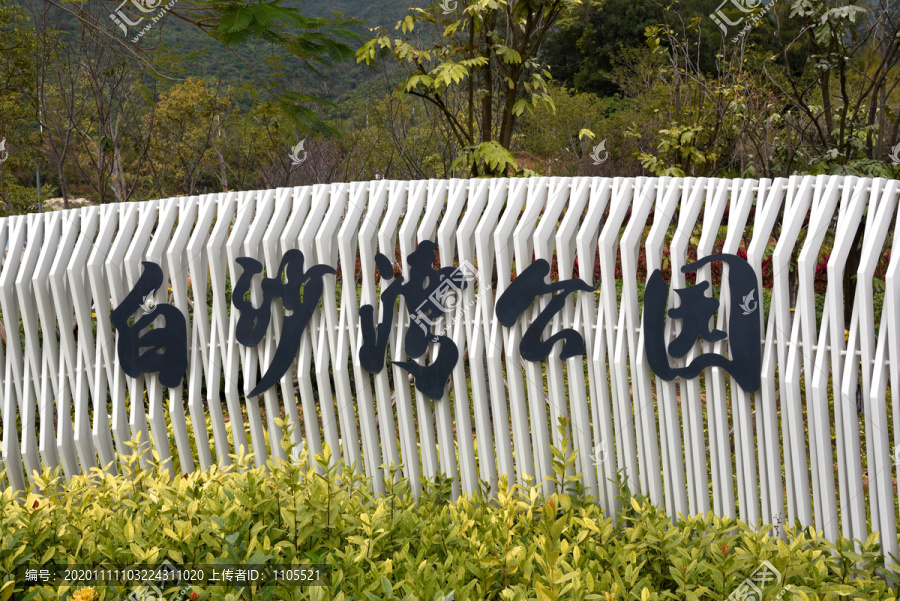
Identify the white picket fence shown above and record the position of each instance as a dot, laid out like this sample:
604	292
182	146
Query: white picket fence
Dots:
74	266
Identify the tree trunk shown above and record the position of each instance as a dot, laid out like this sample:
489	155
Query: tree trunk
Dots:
850	281
223	171
509	118
487	100
63	186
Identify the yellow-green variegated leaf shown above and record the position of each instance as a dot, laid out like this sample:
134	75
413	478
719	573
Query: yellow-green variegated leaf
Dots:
451	29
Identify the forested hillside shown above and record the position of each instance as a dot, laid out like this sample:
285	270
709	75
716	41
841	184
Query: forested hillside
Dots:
210	59
204	57
192	96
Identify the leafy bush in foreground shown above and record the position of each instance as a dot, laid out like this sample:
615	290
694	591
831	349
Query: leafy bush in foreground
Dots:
518	545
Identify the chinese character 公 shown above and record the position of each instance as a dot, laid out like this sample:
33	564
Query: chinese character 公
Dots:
521	294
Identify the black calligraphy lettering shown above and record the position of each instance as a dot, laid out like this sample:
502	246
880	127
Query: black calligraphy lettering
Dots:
429	293
520	295
695	312
254	321
164	347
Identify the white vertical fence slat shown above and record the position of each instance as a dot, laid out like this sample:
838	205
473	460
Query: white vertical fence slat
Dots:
672	461
12	389
388	235
136	247
543	238
31	377
298	200
604	452
15	242
853	203
625	452
461	430
361	222
435	204
768	202
198	266
491	332
112	288
580	432
816	355
771	487
233	353
419	411
690	446
798	201
215	253
698	196
885	193
63	312
177	266
526	374
718	195
100	366
160	240
270	227
49	349
506	340
471	343
83	358
259	212
885	523
346	203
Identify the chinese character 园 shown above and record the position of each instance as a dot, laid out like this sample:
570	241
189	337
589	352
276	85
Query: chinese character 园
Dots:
695	312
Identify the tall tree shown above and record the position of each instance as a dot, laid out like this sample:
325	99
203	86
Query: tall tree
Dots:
480	71
59	93
185	126
18	116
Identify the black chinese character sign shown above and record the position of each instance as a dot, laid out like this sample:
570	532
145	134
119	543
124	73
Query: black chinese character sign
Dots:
254	321
521	294
160	349
429	291
695	312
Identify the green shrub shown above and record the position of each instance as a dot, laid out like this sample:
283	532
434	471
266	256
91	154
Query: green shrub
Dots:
518	545
20	200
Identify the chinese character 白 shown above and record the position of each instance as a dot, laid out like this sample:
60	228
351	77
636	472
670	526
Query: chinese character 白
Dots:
164	347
